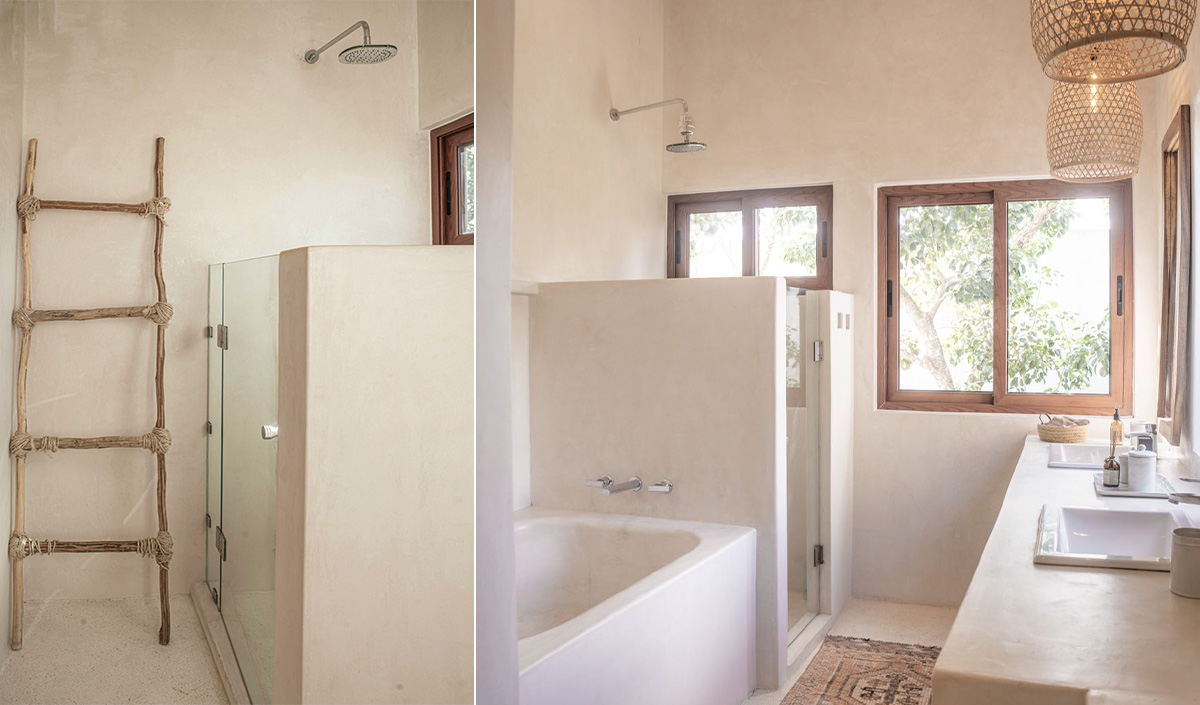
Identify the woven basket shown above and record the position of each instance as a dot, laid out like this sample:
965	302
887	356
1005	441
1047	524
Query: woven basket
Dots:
1063	434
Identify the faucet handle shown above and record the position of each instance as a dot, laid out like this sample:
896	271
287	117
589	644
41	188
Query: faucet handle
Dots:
603	482
662	487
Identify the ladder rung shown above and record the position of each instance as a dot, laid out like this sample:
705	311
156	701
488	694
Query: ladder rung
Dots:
85	546
101	442
87	314
134	208
96	442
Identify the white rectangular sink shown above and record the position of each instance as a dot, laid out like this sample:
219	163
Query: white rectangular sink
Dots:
1080	456
1107	538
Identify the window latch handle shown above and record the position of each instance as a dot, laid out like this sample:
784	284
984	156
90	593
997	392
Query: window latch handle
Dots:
889	298
678	249
824	239
1120	295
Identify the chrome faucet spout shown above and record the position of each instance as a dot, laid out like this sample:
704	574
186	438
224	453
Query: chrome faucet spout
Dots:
634	484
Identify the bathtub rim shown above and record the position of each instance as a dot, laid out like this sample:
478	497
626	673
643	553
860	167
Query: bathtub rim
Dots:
714	539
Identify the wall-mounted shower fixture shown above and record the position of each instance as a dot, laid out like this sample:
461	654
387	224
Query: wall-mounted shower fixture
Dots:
687	127
365	53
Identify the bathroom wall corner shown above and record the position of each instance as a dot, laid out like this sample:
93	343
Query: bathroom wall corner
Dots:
290	515
495	566
520	401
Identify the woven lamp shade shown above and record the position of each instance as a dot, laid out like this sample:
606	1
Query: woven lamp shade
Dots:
1094	132
1110	41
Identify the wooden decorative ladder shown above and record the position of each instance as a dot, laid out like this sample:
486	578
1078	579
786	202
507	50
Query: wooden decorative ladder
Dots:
157	441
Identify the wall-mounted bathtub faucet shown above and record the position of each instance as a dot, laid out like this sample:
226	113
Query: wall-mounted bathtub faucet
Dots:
635	484
662	487
602	482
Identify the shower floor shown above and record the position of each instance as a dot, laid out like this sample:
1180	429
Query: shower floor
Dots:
107	651
797	609
250	622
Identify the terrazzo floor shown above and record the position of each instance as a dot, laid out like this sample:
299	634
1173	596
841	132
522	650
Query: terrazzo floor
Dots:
873	619
107	651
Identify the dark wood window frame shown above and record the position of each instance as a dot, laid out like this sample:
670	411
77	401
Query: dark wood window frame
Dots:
1174	375
682	205
443	148
999	194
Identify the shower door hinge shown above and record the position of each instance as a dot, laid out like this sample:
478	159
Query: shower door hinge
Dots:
818	351
223	336
819	554
208	520
208	331
221	543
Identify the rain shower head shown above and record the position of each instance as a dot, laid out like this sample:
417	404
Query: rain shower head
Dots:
365	53
686	126
368	54
686	130
686	146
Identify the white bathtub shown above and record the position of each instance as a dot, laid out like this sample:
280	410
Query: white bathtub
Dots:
621	610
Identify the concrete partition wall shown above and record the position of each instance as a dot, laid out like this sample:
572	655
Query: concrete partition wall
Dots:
374	562
679	379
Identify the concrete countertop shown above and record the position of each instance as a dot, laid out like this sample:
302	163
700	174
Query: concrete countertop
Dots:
1051	635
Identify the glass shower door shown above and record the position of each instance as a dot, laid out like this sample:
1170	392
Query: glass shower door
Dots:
247	340
213	516
803	503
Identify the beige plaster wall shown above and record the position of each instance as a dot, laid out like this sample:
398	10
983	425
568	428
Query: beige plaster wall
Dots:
12	104
263	153
446	55
587	200
864	93
675	379
495	564
376	508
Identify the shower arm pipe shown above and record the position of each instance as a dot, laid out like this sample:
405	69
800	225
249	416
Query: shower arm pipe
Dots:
616	114
313	54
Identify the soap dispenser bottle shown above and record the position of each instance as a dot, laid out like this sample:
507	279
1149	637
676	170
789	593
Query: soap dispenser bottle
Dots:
1116	430
1112	467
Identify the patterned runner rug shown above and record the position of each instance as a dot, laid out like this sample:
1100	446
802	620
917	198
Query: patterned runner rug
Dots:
849	671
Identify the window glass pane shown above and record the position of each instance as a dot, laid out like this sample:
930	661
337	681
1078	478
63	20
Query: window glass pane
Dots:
466	189
944	298
787	241
1058	296
715	244
794	338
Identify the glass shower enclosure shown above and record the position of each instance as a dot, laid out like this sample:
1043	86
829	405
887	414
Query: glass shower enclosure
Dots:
243	359
803	487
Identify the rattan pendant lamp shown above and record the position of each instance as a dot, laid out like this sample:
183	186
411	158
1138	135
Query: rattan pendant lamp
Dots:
1094	132
1110	41
1094	50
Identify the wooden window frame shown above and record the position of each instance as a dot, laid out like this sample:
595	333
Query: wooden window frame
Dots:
999	194
443	148
1174	375
747	201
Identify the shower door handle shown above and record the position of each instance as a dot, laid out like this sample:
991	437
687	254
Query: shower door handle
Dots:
269	431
